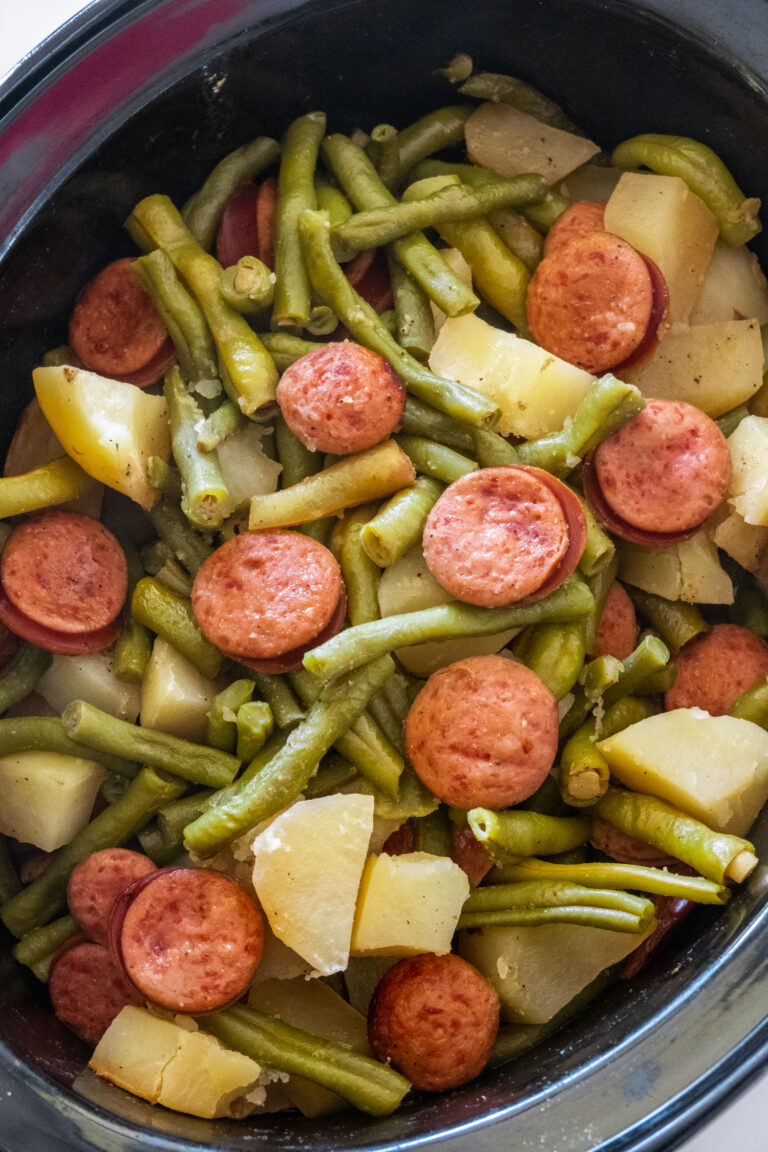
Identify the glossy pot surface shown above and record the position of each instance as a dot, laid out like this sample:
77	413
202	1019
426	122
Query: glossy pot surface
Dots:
138	97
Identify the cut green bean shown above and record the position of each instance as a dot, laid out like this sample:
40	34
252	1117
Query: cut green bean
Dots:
584	771
224	421
37	948
675	622
332	775
372	1087
161	849
21	674
356	646
639	671
189	547
420	419
750	609
392	728
587	916
203	212
248	286
399	524
42	899
385	138
47	734
519	236
255	723
548	212
285	349
205	497
556	654
521	834
222	717
544	892
301	145
182	316
360	573
43	487
171	616
492	450
332	200
542	215
193	762
431	133
163	477
285	707
752	704
282	779
435	460
617	876
511	90
174	817
132	652
599	550
413	314
432	833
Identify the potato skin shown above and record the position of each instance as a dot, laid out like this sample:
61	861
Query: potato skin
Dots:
435	1018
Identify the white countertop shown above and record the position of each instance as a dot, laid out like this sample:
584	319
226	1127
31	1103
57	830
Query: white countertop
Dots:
745	1124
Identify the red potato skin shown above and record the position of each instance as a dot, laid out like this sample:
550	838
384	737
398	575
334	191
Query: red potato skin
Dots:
627	849
617	630
341	398
189	939
115	328
482	733
590	301
714	669
435	1019
264	594
96	883
582	217
88	990
666	471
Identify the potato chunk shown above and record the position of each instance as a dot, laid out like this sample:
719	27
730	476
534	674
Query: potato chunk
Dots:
511	142
47	797
408	904
749	480
733	288
89	678
689	571
747	544
306	872
715	768
175	697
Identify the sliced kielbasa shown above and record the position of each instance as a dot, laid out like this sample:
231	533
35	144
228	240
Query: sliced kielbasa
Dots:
626	849
435	1019
714	669
617	630
115	328
483	732
342	398
264	594
88	990
501	535
470	855
96	883
247	224
582	217
189	939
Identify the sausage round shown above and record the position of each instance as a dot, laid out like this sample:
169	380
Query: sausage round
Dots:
714	669
501	535
64	643
96	883
65	571
291	661
617	630
115	327
246	227
435	1018
626	849
88	990
470	855
482	733
665	471
590	301
341	398
263	594
190	939
582	217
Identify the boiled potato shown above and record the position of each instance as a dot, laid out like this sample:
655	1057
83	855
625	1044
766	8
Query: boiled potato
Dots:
246	470
306	872
462	270
749	479
663	219
747	544
408	586
733	288
715	768
34	443
161	1062
175	697
501	137
109	428
89	678
47	797
689	571
408	904
535	390
537	971
715	366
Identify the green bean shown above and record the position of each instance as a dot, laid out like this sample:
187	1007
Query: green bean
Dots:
400	522
163	477
364	187
174	817
132	653
617	876
63	356
415	323
205	497
255	723
275	690
546	892
716	855
385	139
47	734
21	674
543	215
41	900
355	646
599	550
600	674
556	654
628	710
172	576
520	834
600	584
171	616
510	90
493	450
519	236
224	421
286	349
391	726
298	463
587	916
301	145
675	622
37	948
182	316
332	200
458	68
400	694
608	406
248	286
432	833
333	774
9	880
435	460
222	716
189	547
431	133
704	173
322	319
360	573
282	779
372	1087
584	771
43	487
355	480
548	212
546	800
204	211
752	704
194	762
750	609
499	275
161	849
639	671
249	374
420	419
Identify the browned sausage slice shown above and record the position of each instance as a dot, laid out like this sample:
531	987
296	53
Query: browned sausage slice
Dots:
617	630
664	472
482	732
626	849
88	990
115	328
190	939
263	594
714	669
435	1018
291	661
500	535
582	217
96	883
65	571
342	398
470	855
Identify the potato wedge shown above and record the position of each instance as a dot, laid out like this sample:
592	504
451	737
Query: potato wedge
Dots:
89	678
47	797
690	571
501	137
733	288
749	479
175	697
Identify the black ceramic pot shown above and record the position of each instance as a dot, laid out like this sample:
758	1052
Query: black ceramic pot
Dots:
136	97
